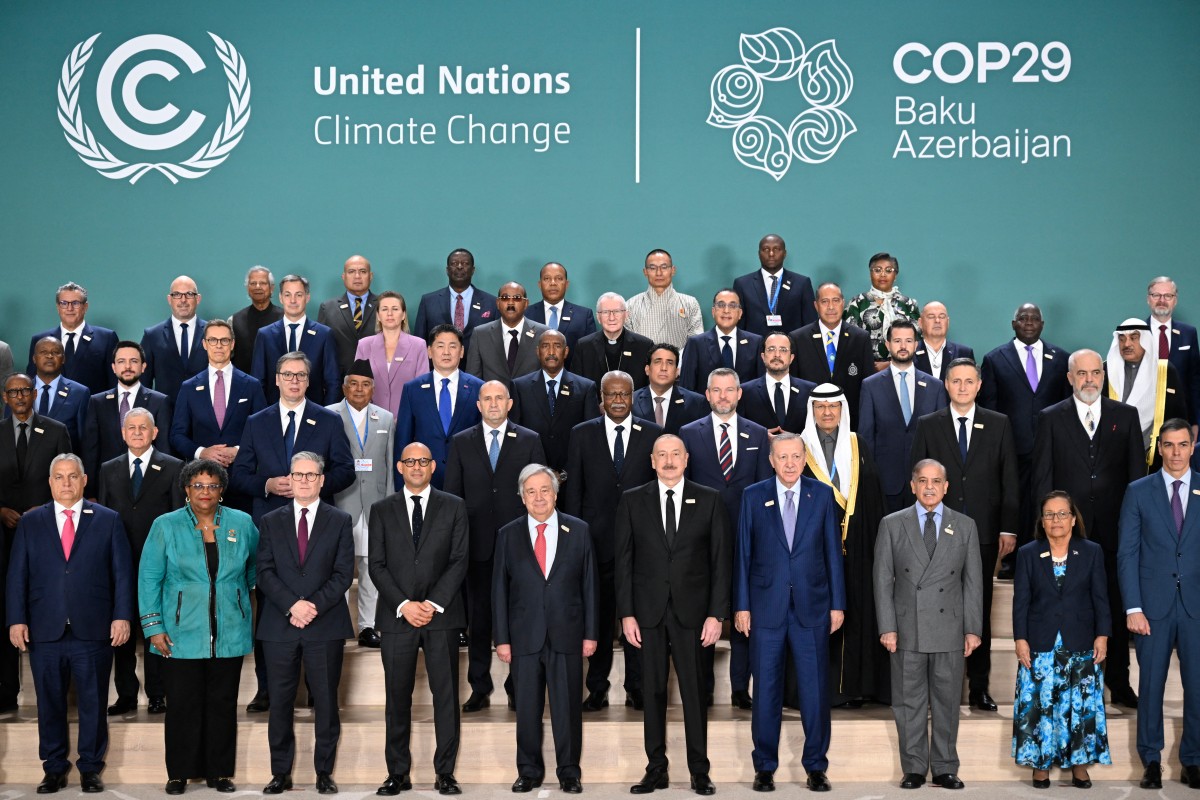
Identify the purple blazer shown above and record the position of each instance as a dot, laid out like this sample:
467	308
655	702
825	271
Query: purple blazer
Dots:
410	360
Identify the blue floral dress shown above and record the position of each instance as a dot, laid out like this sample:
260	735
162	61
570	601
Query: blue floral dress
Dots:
1058	715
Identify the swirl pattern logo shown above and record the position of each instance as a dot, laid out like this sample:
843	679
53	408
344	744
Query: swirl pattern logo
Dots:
814	135
96	155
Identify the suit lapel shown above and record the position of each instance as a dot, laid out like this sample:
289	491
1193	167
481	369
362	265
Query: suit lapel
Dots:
912	525
290	535
1191	517
947	428
464	402
82	524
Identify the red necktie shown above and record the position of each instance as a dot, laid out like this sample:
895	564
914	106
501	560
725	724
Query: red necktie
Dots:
1164	347
539	547
68	533
460	317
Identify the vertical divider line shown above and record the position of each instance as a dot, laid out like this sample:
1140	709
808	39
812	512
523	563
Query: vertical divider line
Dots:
637	106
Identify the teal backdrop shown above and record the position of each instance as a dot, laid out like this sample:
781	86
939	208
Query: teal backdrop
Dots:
1079	233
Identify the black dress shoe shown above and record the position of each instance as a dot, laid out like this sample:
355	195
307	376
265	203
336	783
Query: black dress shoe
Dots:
278	785
52	782
175	786
463	641
571	785
764	781
1007	572
818	782
478	701
633	699
741	699
445	784
1041	783
325	784
982	701
703	785
1124	696
9	707
158	705
595	701
1190	776
1081	783
122	707
512	701
394	785
947	780
853	702
90	782
259	704
222	785
1152	776
656	779
369	637
912	781
522	784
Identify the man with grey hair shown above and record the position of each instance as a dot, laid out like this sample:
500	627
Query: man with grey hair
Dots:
1174	340
296	332
660	313
545	628
88	348
614	346
247	322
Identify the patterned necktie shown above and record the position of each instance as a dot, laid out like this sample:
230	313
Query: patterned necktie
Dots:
962	438
460	316
551	395
302	535
22	448
1177	506
44	404
444	410
619	450
418	519
358	315
671	525
289	437
771	292
494	449
930	534
905	403
553	323
725	453
292	336
539	547
68	532
219	399
513	344
135	479
660	419
1031	373
780	404
69	350
183	342
1090	421
124	406
830	350
726	353
789	516
1164	347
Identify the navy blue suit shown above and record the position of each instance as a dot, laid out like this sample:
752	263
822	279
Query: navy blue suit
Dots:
1005	389
576	401
574	322
758	405
315	341
69	406
789	593
795	304
194	424
261	454
165	370
435	310
950	351
102	427
881	428
1185	355
418	420
92	363
1157	567
1079	611
702	354
91	589
685	407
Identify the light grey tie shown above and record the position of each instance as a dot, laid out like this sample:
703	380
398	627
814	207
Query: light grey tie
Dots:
789	516
905	404
930	534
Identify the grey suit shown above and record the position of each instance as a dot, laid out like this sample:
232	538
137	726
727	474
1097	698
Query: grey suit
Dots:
369	487
487	357
6	362
931	604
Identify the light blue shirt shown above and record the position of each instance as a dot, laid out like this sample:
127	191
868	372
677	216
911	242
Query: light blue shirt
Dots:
937	518
55	385
1184	491
467	295
781	498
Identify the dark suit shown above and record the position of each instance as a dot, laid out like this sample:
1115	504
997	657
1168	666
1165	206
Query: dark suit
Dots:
702	354
588	359
1158	565
789	593
985	489
1185	357
194	424
576	401
758	404
91	589
488	357
685	407
881	427
165	369
69	406
1095	472
545	620
492	502
1175	405
160	493
315	341
92	363
432	572
591	492
322	578
435	309
247	322
574	322
337	314
950	351
102	439
418	420
1041	611
854	362
795	303
670	583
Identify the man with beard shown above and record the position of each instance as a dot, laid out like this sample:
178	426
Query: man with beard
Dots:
1175	340
726	344
552	401
1138	377
460	304
172	347
775	300
777	401
106	411
506	348
670	405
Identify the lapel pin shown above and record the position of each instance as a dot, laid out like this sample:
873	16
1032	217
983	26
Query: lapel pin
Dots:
565	392
344	305
689	501
853	370
566	319
920	352
311	332
922	383
948	530
87	338
39	430
243	399
399	359
231	536
62	393
156	467
678	401
110	397
1176	333
1050	356
311	421
87	511
979	425
769	503
1074	552
750	449
529	333
200	388
512	435
374	416
385	433
637	427
744	435
1045	554
628	353
1170	390
744	341
794	390
424	385
1194	491
816	336
787	286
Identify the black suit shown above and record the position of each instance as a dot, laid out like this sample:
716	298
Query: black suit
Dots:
160	493
492	502
795	304
545	619
589	360
435	309
576	401
92	363
592	491
853	364
950	351
702	354
432	570
247	322
323	577
1095	472
758	404
102	429
985	489
165	369
671	581
686	406
338	314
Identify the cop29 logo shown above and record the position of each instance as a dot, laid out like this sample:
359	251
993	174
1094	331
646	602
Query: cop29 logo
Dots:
814	135
95	154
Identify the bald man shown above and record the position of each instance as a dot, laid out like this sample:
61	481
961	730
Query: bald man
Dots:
350	315
173	349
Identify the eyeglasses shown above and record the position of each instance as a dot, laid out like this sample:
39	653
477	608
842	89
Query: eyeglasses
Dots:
182	295
617	395
202	487
223	342
72	303
22	392
727	306
1162	295
412	462
1050	516
659	267
783	351
293	376
305	477
512	297
616	313
883	270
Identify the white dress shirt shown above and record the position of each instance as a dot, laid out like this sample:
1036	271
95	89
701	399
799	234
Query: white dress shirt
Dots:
610	432
733	432
910	381
312	515
436	379
970	415
733	341
178	331
487	435
283	417
1081	410
1022	355
786	383
676	498
145	457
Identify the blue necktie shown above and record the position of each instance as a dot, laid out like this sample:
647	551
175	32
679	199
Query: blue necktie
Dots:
789	516
183	342
444	405
726	353
289	437
830	350
553	318
619	450
905	404
962	438
494	450
136	478
550	395
292	336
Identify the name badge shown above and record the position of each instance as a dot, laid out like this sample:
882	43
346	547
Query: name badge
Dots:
311	332
344	305
362	465
87	338
774	321
566	319
628	354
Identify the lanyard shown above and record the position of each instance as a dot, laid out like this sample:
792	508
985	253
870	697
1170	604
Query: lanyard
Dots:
362	442
774	298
